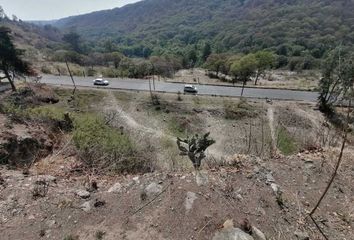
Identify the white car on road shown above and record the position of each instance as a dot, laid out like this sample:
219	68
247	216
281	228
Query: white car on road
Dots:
101	82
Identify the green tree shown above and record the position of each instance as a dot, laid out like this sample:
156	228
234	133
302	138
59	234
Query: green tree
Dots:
109	45
2	13
192	58
206	51
161	66
74	40
11	63
337	79
116	58
265	60
216	63
14	18
244	69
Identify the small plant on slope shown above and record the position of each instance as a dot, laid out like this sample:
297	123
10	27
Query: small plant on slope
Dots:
194	147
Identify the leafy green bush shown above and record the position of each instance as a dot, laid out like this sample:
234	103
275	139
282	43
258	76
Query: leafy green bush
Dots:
104	148
46	70
285	142
84	99
8	107
110	73
46	112
91	72
239	110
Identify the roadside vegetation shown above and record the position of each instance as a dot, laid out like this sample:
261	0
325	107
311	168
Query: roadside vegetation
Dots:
285	142
251	160
101	147
110	57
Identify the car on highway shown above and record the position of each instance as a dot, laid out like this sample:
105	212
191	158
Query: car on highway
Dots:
100	82
190	89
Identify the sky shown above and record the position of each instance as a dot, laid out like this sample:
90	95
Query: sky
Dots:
55	9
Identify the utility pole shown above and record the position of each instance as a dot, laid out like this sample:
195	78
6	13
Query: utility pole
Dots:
150	89
72	79
153	76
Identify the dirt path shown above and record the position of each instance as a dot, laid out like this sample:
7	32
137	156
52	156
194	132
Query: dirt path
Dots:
270	114
113	105
130	122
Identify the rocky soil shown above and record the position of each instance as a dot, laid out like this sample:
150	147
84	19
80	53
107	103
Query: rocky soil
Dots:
248	199
47	193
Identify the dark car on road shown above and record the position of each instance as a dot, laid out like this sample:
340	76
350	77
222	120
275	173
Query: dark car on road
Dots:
190	89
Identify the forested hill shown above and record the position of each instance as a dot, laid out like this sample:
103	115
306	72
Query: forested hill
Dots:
229	25
36	40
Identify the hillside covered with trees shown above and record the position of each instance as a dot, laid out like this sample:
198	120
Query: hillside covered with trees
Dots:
162	36
287	27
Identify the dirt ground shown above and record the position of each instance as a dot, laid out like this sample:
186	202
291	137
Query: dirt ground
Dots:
238	126
282	79
180	208
270	164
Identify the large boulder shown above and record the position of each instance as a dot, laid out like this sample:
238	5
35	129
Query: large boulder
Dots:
258	234
229	232
232	234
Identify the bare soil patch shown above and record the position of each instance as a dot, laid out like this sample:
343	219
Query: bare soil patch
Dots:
243	177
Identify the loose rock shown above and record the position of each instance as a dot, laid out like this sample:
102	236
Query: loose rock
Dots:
201	178
86	206
275	188
47	178
153	189
257	234
229	232
116	188
51	223
302	235
83	194
191	197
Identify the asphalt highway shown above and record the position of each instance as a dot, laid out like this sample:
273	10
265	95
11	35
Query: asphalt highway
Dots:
143	85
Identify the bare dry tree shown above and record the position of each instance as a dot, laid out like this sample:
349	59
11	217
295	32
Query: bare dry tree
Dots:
334	174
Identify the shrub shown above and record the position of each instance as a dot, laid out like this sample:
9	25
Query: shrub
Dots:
239	110
179	98
91	72
110	73
104	148
47	112
285	142
46	70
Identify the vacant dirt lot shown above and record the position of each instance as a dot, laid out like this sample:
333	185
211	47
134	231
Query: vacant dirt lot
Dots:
238	126
269	165
283	79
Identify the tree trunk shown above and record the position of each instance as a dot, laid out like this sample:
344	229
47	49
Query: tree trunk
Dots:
243	87
257	77
10	80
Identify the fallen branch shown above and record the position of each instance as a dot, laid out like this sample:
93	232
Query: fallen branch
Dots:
339	161
201	230
148	203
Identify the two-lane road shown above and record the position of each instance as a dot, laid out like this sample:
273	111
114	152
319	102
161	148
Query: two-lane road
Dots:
143	85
